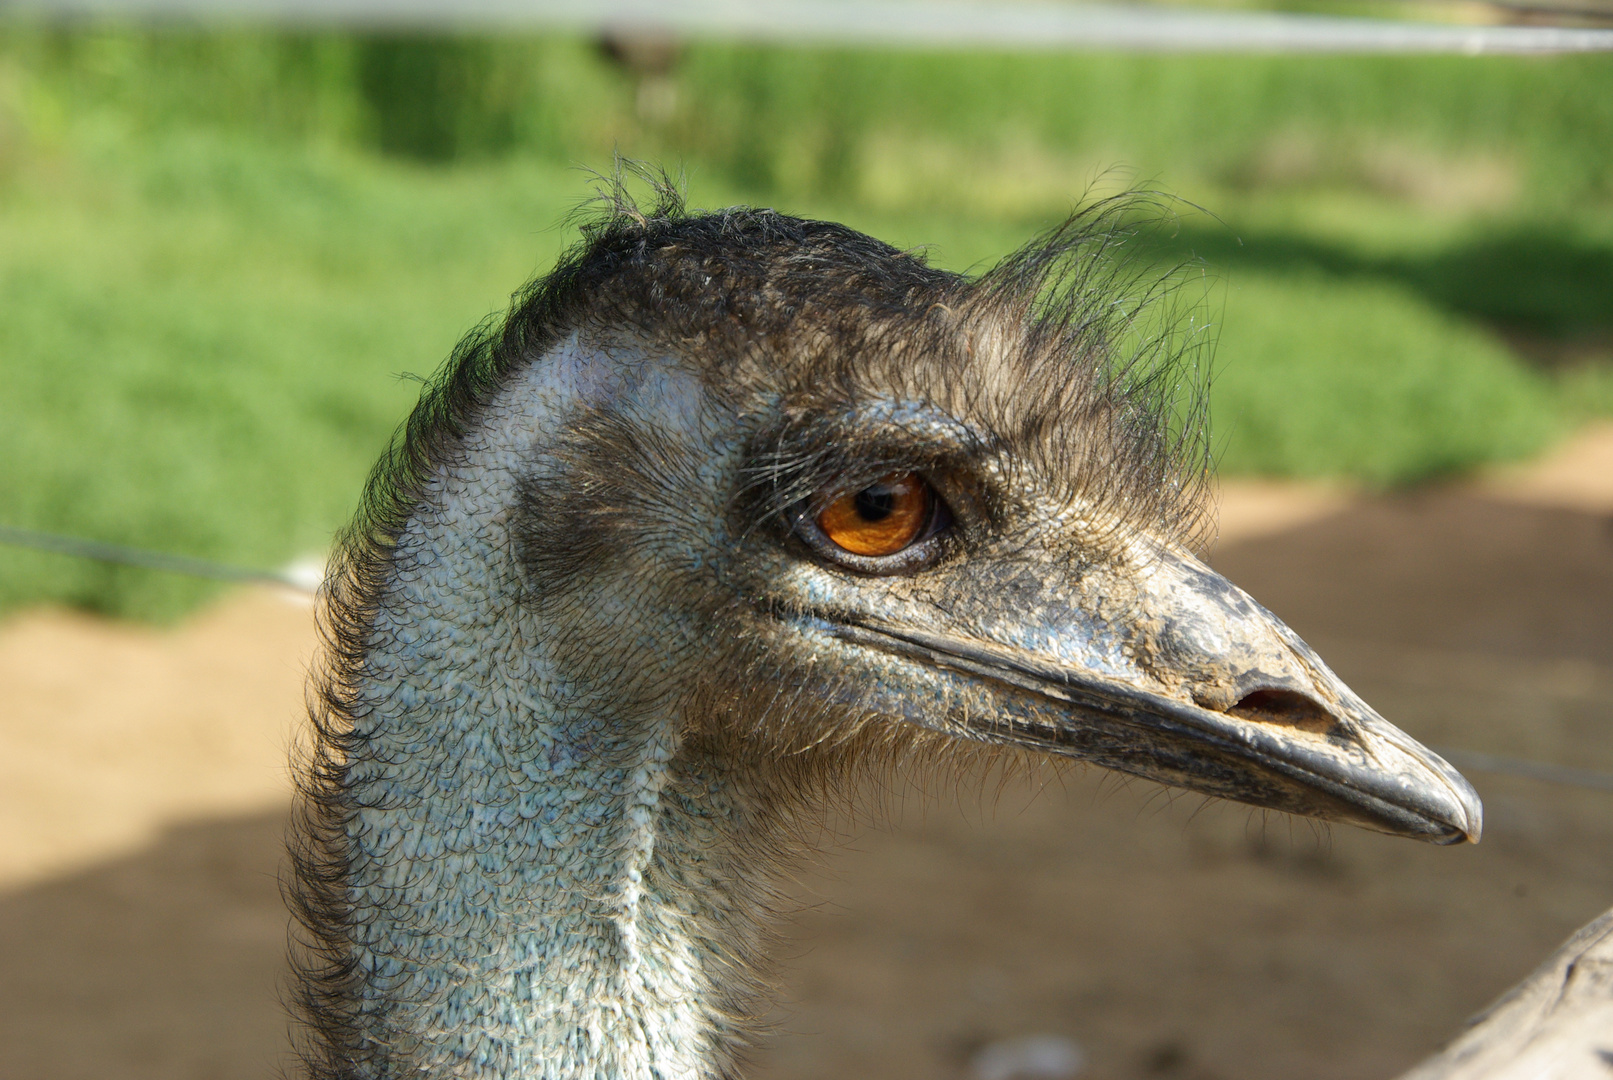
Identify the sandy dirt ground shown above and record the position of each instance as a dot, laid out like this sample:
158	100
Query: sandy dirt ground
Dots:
143	794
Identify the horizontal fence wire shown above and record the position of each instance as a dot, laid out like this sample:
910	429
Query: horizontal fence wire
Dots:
966	24
119	554
100	551
1563	775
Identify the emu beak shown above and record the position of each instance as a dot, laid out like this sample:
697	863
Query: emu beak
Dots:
1215	695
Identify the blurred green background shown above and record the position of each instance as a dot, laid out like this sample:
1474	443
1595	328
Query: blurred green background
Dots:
224	255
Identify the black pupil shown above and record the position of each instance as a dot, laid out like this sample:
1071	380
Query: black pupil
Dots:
876	503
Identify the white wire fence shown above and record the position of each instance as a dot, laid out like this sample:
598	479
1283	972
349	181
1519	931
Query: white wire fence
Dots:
969	24
144	559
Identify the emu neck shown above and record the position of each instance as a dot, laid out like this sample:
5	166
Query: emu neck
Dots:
544	887
544	881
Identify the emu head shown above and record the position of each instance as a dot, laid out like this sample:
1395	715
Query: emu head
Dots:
824	501
729	507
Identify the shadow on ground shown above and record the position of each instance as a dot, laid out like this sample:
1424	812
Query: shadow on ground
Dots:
1170	938
161	966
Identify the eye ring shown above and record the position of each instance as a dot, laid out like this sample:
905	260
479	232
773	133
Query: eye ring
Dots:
894	525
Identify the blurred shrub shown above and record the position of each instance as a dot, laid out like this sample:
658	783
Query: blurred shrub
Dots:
1500	128
284	84
1478	133
434	98
437	99
1588	388
456	97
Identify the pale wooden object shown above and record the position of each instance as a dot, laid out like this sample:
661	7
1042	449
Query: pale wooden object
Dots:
1555	1025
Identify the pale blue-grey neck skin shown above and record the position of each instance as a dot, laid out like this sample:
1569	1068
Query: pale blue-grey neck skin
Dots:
513	797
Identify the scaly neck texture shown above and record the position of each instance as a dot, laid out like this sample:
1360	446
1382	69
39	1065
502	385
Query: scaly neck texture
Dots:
544	881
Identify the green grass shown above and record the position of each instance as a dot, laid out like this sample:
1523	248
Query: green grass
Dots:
203	342
210	303
1364	380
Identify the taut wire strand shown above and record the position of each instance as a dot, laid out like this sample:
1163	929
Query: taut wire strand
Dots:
968	24
100	551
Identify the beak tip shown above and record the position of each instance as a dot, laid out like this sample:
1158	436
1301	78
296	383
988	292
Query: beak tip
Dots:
1466	812
1473	828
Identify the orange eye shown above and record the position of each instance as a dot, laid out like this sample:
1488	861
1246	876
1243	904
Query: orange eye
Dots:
882	518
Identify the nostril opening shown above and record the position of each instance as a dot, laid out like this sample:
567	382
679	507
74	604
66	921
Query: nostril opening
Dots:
1286	707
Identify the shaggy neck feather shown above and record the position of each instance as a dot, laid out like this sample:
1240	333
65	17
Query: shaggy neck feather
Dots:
543	879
